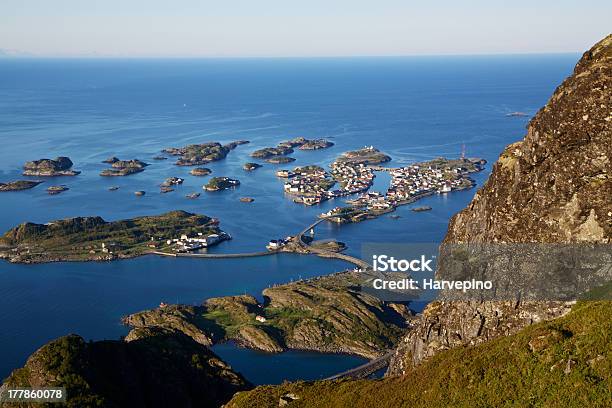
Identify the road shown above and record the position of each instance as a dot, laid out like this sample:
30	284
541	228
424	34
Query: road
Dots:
328	254
298	238
367	369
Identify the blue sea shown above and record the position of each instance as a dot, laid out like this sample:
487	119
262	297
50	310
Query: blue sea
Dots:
412	108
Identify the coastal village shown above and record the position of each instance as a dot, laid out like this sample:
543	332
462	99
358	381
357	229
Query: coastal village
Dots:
351	174
355	172
311	184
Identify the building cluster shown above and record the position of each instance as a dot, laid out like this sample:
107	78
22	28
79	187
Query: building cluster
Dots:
313	183
413	181
408	184
187	244
353	178
276	244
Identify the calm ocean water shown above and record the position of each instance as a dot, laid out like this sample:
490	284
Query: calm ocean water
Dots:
411	108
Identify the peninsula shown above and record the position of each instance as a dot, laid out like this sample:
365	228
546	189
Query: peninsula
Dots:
318	314
60	166
94	239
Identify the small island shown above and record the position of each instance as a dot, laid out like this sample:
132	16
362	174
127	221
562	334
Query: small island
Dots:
193	196
316	144
246	199
94	239
306	144
199	154
421	208
280	160
53	190
221	183
139	193
268	152
286	147
251	166
60	166
172	181
200	171
18	185
366	155
123	167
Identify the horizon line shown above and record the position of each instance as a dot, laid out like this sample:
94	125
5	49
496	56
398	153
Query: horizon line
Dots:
216	57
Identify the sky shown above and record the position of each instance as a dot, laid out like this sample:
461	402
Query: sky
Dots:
289	28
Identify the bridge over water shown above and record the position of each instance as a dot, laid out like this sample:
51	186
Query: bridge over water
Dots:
367	369
298	238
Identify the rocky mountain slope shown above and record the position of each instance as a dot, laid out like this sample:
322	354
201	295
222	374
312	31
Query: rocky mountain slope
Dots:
159	369
552	187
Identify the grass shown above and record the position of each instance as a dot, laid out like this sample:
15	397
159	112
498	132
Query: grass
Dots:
528	369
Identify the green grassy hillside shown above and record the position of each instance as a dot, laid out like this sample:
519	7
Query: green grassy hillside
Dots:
565	362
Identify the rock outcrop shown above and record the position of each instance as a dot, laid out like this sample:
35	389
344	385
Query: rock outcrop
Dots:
200	154
123	167
60	166
552	187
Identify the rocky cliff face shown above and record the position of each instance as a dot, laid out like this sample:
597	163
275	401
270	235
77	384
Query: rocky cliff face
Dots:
552	187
